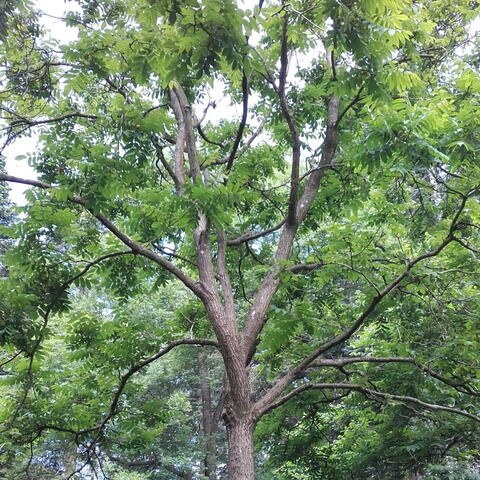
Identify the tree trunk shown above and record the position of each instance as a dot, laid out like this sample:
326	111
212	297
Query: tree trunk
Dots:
209	424
241	465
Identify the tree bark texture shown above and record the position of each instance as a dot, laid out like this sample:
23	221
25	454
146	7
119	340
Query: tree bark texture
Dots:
241	463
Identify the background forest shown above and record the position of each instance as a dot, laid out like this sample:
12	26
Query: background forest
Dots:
250	248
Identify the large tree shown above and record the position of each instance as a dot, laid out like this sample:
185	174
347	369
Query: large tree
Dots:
304	172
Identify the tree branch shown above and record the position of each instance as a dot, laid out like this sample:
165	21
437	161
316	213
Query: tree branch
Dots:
176	179
370	393
295	137
257	314
134	246
304	267
246	237
32	123
124	379
179	165
462	387
226	285
283	382
186	111
243	122
5	362
350	105
208	140
61	290
247	144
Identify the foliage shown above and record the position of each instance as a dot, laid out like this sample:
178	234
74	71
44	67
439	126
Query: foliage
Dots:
6	218
324	239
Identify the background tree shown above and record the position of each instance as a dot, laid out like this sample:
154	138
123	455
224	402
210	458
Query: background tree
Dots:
6	219
324	242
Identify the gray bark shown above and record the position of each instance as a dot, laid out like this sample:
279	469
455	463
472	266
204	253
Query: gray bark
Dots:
241	463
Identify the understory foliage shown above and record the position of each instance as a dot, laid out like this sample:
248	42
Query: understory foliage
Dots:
249	222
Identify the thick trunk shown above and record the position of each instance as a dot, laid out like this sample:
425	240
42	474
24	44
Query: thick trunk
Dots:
241	465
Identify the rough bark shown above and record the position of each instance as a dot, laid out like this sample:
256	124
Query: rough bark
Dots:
241	463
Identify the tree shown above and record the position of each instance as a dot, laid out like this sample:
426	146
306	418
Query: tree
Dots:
324	241
6	218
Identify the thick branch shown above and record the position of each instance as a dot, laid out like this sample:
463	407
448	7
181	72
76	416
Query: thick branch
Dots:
179	166
266	291
367	392
226	285
188	123
24	181
221	316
